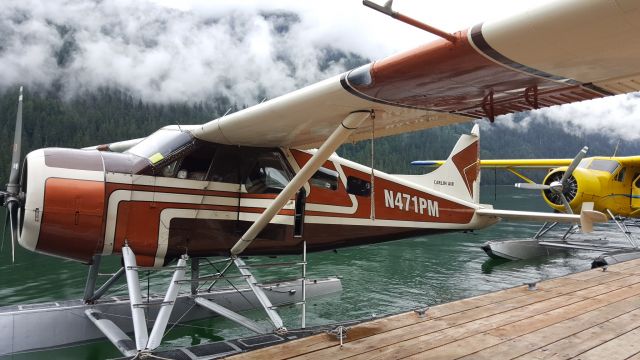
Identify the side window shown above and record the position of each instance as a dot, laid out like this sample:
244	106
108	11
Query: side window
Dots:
325	178
264	171
193	165
357	186
620	176
226	165
170	170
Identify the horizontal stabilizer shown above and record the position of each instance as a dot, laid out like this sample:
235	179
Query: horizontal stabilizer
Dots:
585	219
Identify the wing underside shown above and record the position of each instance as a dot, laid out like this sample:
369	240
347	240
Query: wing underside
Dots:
564	52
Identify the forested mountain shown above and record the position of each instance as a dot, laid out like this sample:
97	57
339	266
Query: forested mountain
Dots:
110	115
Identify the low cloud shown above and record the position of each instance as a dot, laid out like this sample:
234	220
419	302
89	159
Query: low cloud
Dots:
617	117
159	54
173	51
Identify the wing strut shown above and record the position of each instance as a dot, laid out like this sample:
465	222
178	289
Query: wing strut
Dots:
339	135
387	10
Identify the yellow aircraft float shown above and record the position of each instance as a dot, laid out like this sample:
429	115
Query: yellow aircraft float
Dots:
612	184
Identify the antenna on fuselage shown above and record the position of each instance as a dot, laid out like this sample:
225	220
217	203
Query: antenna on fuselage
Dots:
615	151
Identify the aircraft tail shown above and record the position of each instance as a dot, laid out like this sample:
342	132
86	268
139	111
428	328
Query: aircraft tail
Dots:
459	175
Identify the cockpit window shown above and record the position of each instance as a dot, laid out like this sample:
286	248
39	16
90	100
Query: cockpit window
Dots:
584	163
266	173
604	165
161	144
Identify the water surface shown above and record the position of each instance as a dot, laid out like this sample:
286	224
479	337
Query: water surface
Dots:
377	279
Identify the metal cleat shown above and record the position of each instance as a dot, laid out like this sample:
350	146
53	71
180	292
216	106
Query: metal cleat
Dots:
532	286
421	311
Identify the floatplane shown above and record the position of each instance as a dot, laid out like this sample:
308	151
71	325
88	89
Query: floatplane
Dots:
266	180
608	184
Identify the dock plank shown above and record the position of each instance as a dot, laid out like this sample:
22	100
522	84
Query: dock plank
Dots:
622	347
317	342
513	309
585	340
440	331
527	335
540	324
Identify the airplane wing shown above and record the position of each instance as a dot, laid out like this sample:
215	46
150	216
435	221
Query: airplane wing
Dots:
507	163
562	52
628	160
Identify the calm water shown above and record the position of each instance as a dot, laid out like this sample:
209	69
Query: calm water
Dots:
377	279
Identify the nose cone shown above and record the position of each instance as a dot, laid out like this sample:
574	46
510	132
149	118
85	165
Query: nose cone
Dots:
64	203
33	185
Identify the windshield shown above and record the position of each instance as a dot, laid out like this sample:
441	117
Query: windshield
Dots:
584	163
604	165
161	144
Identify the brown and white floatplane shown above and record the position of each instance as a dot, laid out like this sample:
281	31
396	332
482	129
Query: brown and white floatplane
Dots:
251	182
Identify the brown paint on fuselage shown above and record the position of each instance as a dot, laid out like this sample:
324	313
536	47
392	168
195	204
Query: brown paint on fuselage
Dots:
318	195
72	218
449	211
207	237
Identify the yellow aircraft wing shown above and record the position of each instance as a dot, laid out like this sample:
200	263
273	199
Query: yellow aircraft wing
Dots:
628	160
562	52
525	163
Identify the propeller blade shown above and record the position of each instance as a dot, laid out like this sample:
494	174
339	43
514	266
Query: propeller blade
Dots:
531	186
13	186
12	208
574	164
566	203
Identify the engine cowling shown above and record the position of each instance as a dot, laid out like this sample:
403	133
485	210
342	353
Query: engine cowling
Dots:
574	189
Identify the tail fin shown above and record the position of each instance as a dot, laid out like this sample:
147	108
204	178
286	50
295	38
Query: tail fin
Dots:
459	176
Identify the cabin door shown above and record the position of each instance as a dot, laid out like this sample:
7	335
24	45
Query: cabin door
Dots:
264	173
635	193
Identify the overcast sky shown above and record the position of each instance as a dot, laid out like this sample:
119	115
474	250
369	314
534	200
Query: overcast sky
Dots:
168	50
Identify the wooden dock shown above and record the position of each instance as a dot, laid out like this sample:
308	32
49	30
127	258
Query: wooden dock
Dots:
589	315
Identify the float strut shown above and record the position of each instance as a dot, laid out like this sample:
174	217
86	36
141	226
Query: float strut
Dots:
92	276
167	305
135	298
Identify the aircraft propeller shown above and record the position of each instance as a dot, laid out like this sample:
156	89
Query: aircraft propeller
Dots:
13	198
560	184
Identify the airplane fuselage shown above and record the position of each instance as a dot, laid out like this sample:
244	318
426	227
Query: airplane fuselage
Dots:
85	202
608	183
